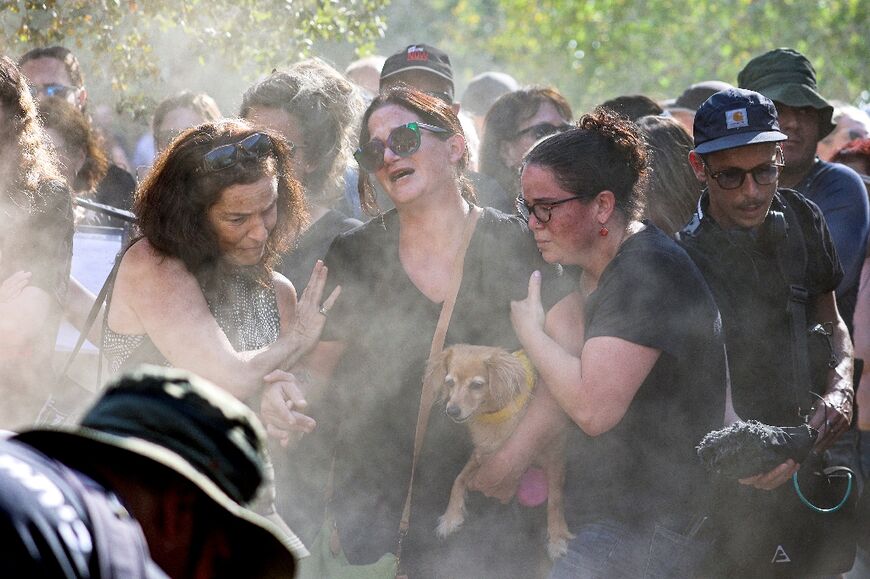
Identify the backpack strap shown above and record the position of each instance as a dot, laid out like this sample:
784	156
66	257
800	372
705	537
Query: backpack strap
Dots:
791	255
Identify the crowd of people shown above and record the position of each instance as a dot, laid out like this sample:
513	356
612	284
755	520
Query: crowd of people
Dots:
664	269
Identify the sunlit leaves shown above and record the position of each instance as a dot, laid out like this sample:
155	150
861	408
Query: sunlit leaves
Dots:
247	34
598	49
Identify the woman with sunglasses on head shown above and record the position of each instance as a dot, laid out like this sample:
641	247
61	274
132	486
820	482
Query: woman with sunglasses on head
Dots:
35	253
197	290
395	271
513	124
650	380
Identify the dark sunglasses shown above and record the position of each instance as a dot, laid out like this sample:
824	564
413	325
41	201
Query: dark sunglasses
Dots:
52	90
403	141
541	211
733	178
542	130
223	157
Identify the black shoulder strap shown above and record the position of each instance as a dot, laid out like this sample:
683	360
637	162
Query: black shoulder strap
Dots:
95	310
791	253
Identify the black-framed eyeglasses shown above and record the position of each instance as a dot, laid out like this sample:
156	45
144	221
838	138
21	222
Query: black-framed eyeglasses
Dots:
542	211
542	130
404	141
733	178
52	90
251	147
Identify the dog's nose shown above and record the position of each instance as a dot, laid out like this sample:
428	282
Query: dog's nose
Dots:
453	411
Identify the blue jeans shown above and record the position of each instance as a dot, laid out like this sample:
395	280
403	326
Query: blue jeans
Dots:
612	550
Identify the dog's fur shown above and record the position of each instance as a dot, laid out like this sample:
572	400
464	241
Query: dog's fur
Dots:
475	380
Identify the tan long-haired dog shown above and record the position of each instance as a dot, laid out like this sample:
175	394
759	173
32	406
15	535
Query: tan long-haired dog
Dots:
489	389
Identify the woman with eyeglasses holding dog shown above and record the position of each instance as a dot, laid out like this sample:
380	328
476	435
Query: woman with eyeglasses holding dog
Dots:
395	272
650	379
198	290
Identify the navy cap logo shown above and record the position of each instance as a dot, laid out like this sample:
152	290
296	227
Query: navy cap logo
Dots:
736	119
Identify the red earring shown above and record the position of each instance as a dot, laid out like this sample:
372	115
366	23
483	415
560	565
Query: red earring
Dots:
603	231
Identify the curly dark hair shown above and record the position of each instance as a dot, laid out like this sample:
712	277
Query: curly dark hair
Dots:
25	146
604	152
172	203
503	121
73	126
431	110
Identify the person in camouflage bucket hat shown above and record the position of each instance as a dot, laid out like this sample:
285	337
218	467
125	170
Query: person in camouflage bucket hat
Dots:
197	454
786	76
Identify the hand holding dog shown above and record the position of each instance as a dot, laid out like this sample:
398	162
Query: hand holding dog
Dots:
528	315
497	478
282	408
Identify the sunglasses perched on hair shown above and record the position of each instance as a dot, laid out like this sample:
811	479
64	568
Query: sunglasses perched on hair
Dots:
403	141
251	147
52	90
733	178
542	130
541	211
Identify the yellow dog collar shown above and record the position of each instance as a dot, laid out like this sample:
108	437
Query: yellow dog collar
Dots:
517	403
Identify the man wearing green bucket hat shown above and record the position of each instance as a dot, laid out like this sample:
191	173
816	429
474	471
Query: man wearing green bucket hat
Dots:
153	482
787	77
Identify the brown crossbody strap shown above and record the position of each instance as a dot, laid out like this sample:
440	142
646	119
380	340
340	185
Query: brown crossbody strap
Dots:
427	395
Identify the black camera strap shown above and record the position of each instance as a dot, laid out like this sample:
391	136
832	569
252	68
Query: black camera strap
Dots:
791	254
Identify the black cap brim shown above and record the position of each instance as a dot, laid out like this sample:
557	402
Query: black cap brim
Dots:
740	140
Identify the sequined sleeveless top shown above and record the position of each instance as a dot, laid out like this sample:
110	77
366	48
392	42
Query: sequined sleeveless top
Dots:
245	309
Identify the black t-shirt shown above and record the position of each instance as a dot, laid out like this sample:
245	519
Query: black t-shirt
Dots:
744	273
312	245
646	467
387	326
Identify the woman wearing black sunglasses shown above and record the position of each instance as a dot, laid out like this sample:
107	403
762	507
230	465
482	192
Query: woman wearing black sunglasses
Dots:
395	272
197	290
514	123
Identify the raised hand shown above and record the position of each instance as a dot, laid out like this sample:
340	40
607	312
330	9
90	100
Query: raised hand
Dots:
13	285
310	312
528	315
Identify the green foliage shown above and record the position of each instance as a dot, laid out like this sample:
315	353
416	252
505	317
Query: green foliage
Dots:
593	50
124	36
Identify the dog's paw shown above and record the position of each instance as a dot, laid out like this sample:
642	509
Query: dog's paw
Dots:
448	524
557	548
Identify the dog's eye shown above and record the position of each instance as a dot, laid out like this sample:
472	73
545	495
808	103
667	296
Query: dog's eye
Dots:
449	382
476	384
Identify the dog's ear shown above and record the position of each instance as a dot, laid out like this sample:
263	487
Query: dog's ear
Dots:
436	371
507	377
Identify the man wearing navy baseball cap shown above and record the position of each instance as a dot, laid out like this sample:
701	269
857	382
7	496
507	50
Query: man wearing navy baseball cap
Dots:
768	256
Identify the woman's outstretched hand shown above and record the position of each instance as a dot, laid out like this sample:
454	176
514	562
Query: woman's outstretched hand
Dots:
310	312
528	315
